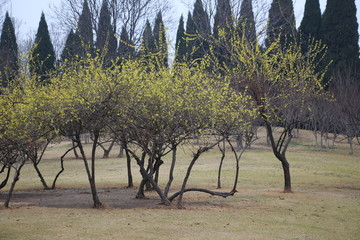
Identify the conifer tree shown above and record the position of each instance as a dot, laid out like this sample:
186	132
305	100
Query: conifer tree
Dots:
180	44
246	23
281	22
190	36
202	28
42	57
126	48
9	65
339	31
84	33
148	43
311	22
69	52
160	39
106	42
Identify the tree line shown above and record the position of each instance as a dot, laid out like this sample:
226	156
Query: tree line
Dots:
222	86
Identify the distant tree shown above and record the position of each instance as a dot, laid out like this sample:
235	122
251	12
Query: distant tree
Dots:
69	52
223	22
42	57
106	42
339	31
281	22
126	48
180	44
84	31
160	40
190	35
246	23
9	65
202	29
148	43
311	22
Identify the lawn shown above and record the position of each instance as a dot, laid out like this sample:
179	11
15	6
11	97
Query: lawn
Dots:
325	203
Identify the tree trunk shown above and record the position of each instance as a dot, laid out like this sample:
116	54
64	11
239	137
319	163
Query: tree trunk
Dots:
46	187
121	152
74	148
16	178
128	166
287	179
171	172
3	184
223	152
107	151
351	149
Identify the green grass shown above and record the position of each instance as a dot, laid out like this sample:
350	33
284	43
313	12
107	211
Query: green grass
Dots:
325	203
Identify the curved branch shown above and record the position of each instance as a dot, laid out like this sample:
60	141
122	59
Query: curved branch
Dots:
213	193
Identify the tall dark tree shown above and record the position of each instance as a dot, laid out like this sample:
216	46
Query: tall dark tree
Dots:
203	29
223	21
9	65
180	44
42	57
311	22
126	48
147	43
106	42
69	52
281	22
246	23
339	31
84	32
190	36
160	40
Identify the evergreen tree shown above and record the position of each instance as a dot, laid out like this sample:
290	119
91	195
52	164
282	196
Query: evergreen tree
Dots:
281	22
339	31
42	57
9	65
191	36
203	29
69	52
126	48
180	45
106	42
160	40
223	22
223	17
84	33
246	24
148	43
311	22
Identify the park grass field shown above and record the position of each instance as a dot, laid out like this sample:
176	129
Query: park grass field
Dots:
325	203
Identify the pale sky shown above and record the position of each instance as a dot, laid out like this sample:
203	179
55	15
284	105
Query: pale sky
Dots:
27	12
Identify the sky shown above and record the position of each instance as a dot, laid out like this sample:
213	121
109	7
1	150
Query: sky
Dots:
27	12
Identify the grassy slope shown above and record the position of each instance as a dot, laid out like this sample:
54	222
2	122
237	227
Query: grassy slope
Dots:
325	203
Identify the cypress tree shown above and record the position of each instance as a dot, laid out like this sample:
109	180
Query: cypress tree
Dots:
311	22
126	48
246	23
281	22
191	36
148	43
9	65
180	44
68	52
223	17
339	31
203	29
106	42
42	57
84	33
160	40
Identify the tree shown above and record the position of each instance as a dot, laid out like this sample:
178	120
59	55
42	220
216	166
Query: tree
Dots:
339	31
180	44
126	48
200	45
9	65
69	52
281	22
148	42
42	58
190	36
106	42
84	33
160	40
246	23
311	22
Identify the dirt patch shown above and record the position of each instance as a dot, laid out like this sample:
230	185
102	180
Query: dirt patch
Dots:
122	198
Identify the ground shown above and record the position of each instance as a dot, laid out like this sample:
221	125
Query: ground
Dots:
325	203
